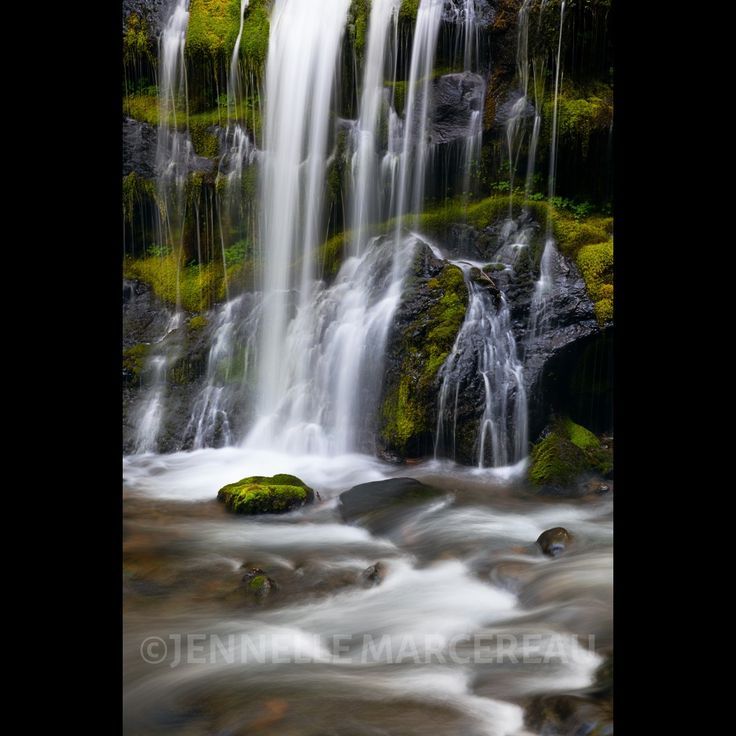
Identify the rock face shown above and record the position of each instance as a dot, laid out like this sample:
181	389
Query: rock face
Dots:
454	98
421	337
139	148
259	494
555	541
369	498
152	11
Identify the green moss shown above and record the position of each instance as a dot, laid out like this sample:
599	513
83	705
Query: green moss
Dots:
426	344
257	582
194	287
358	24
332	253
580	113
567	451
136	38
265	495
254	41
134	358
198	322
204	141
408	10
214	25
596	264
135	190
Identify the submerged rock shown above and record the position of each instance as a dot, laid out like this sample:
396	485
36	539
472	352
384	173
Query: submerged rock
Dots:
266	495
367	498
373	575
258	583
554	541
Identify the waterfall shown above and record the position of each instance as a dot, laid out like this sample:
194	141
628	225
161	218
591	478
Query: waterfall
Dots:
485	342
539	310
367	182
173	153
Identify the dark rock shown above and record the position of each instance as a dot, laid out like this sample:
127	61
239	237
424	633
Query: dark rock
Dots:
554	542
154	12
139	148
454	98
373	575
567	715
368	498
454	12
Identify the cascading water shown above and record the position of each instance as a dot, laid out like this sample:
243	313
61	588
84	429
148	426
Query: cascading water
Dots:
486	341
543	288
173	153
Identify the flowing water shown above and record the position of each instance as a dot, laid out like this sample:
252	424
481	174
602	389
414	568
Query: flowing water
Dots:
324	654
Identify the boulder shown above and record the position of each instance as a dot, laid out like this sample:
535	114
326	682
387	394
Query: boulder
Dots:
259	494
455	97
368	498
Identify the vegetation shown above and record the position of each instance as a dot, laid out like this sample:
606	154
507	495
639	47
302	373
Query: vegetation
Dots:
596	264
565	452
266	495
426	343
134	358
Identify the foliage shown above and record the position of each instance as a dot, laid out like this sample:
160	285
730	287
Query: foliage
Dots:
235	254
134	358
596	264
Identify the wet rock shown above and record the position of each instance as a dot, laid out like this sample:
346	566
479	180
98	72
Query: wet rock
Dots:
139	148
554	542
154	12
567	715
368	498
259	494
258	583
373	575
455	97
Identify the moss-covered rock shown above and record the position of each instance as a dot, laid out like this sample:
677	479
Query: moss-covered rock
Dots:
134	359
565	452
266	495
596	264
425	343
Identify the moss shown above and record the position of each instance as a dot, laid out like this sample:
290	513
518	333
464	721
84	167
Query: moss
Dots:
204	140
426	343
135	190
567	451
596	264
194	287
214	25
136	38
491	267
134	358
198	322
408	10
580	113
254	41
258	582
265	495
332	253
358	25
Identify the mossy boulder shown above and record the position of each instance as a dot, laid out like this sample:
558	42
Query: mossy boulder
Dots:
567	451
431	315
260	494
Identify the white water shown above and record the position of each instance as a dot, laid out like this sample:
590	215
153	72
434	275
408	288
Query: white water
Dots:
487	337
302	57
455	571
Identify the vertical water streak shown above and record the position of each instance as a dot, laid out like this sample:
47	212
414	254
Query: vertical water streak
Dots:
173	152
415	145
486	340
365	208
234	86
543	288
304	42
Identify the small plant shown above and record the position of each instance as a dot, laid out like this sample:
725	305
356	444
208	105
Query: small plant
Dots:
236	252
159	250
